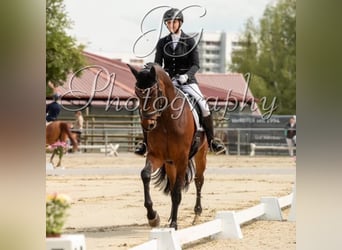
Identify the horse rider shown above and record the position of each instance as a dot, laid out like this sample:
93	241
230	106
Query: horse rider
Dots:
178	51
53	109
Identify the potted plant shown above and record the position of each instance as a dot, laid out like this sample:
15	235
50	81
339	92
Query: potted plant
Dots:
56	213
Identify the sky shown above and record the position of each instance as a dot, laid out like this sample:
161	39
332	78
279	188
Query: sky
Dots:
127	29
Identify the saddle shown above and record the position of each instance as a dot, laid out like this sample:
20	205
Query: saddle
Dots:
196	113
195	109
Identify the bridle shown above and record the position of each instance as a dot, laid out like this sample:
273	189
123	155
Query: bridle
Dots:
160	103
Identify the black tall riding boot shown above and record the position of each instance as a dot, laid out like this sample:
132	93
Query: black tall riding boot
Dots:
209	131
142	147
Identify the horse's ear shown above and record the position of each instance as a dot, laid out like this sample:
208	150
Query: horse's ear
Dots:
153	72
133	70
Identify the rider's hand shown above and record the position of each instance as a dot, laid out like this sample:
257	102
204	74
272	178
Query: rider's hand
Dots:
183	78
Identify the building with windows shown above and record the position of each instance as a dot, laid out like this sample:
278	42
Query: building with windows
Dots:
212	52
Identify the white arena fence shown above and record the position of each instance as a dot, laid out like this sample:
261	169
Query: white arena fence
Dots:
227	224
239	141
108	148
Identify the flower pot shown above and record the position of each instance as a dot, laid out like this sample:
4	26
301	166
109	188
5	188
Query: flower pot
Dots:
66	242
53	235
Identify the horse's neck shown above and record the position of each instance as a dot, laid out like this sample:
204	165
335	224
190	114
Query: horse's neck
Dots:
171	92
177	106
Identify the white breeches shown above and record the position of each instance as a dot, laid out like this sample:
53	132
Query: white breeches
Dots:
193	90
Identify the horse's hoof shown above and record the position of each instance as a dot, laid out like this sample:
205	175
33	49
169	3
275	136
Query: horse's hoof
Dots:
173	224
154	222
196	218
198	210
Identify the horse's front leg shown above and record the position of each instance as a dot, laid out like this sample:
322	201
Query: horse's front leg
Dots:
52	155
152	216
198	206
198	183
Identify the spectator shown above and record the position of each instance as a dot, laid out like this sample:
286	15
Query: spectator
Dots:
290	134
78	125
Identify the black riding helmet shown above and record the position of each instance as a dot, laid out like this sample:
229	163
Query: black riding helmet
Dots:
173	14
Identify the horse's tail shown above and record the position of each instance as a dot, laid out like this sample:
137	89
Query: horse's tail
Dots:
65	128
161	180
190	173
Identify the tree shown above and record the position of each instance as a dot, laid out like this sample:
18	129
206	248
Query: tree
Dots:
63	55
246	49
272	60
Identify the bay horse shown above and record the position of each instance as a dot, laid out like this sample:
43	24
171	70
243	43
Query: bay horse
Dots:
167	119
59	131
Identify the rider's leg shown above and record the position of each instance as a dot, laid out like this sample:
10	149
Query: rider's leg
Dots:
194	91
209	131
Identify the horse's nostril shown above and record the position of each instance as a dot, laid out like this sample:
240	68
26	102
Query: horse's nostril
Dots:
152	124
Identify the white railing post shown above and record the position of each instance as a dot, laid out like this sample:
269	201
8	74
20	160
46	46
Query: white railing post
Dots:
230	226
252	145
166	238
272	209
292	215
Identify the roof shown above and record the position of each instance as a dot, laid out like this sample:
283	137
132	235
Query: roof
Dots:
230	86
105	79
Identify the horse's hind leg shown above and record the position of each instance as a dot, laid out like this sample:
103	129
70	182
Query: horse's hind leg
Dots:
52	155
152	216
60	155
176	176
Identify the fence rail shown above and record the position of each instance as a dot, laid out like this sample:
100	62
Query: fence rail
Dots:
126	131
129	137
227	224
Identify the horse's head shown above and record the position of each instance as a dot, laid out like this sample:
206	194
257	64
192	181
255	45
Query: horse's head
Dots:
150	90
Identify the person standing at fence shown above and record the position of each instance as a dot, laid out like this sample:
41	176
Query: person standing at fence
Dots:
78	125
290	134
177	53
